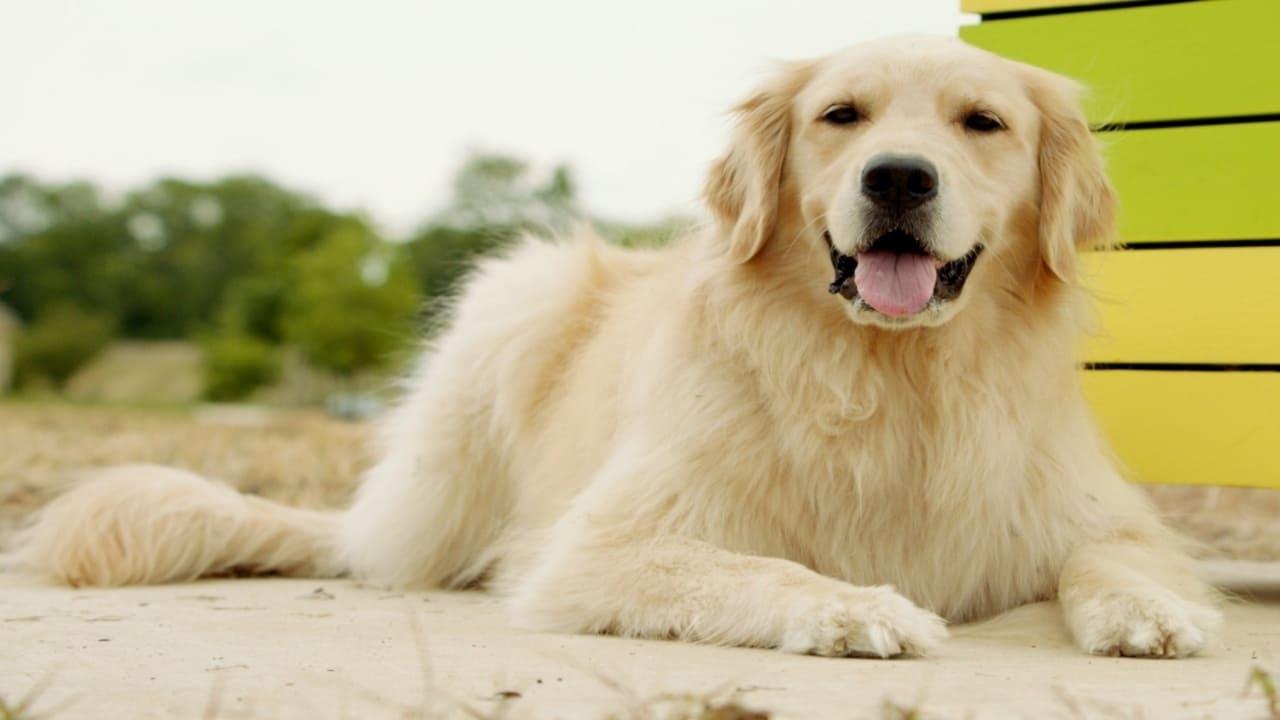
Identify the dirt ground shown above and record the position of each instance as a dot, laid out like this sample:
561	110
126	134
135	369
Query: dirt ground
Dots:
274	648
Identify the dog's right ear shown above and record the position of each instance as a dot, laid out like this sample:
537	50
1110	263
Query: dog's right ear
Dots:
743	187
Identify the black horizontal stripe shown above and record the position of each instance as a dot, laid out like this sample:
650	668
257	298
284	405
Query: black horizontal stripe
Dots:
1184	367
1187	122
1200	244
1040	12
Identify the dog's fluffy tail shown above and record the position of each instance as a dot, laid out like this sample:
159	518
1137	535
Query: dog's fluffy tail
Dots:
142	524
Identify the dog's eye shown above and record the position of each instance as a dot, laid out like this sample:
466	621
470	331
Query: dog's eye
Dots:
841	115
983	122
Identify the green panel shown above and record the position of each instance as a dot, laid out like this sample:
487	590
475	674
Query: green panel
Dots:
1215	182
1160	62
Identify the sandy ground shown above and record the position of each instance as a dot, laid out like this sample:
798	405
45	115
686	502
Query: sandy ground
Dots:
274	648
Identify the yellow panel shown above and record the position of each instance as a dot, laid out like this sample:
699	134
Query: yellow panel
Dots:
992	6
1192	428
1217	305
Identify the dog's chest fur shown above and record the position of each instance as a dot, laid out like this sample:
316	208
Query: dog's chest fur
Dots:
937	486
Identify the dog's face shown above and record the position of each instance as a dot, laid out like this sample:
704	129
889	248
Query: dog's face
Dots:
912	158
915	162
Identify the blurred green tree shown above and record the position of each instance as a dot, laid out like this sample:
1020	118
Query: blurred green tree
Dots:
193	242
498	193
495	200
160	262
247	266
354	304
236	365
55	239
61	341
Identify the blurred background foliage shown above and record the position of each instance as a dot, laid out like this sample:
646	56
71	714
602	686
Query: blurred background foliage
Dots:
268	283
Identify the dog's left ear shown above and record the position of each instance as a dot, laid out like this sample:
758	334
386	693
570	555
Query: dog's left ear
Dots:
1077	202
744	185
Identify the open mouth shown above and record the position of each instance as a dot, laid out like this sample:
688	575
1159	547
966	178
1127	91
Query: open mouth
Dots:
896	276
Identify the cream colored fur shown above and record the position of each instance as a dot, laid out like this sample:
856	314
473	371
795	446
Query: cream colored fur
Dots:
701	443
146	524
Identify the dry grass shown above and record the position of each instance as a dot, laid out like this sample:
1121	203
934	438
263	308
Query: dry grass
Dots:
307	458
299	457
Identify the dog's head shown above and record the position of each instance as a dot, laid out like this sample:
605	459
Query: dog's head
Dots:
914	169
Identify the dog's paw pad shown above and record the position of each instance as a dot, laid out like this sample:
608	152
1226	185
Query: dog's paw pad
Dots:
1149	624
862	622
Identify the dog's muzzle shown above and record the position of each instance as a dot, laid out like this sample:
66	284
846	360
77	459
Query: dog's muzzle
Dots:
896	276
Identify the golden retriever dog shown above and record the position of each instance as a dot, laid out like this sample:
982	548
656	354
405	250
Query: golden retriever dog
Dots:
843	414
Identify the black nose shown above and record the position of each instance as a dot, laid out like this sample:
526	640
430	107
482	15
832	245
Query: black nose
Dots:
899	182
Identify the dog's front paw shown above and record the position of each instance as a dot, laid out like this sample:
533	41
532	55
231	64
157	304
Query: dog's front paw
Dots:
1153	623
862	622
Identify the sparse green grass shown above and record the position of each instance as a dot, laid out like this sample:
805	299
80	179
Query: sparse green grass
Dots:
890	710
1262	680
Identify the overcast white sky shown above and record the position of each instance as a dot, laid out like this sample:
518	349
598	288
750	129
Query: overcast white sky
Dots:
373	104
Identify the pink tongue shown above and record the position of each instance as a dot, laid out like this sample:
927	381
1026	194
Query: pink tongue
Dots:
896	284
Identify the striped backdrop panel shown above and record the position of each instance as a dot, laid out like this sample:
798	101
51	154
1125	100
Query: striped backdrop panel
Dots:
1184	372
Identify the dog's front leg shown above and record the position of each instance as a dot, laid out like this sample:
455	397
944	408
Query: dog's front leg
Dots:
1138	599
610	569
685	589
